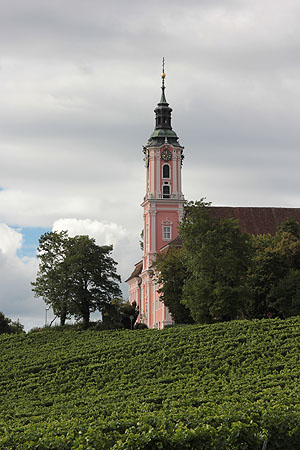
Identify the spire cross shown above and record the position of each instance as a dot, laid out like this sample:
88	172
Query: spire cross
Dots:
163	65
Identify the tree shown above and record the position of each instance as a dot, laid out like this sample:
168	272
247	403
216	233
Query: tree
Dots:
284	297
93	276
111	317
217	255
75	276
262	274
172	273
129	314
291	226
53	282
120	314
273	278
8	326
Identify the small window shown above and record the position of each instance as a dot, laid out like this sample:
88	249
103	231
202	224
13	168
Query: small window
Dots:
167	233
166	191
166	171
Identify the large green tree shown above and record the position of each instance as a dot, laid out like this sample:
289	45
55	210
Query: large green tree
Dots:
53	282
221	273
217	254
171	271
274	276
76	276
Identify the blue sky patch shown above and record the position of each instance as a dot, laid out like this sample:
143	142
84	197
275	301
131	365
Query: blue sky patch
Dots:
31	237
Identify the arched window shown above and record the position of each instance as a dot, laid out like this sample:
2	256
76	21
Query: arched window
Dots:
166	191
166	171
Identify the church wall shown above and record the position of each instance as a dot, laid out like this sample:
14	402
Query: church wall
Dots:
134	291
168	218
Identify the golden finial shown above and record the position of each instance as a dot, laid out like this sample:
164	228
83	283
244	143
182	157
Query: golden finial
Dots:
163	75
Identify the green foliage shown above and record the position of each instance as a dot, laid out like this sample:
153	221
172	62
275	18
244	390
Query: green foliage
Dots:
221	273
290	226
273	278
140	326
224	386
119	314
53	283
8	326
284	297
76	276
217	256
129	314
172	273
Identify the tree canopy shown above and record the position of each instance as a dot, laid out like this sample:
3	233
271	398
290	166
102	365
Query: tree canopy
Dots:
120	314
221	273
274	276
217	254
8	326
172	272
76	276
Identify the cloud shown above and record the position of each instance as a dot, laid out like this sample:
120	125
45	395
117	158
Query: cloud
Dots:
80	83
103	233
10	240
126	250
17	273
16	298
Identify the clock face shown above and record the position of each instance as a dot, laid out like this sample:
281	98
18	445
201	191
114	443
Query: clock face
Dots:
166	155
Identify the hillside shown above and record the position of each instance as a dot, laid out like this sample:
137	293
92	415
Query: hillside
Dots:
225	386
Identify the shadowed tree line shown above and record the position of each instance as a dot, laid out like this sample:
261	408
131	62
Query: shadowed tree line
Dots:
221	273
8	326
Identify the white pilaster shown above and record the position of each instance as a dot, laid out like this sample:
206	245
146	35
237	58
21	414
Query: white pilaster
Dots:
174	172
153	230
179	174
152	172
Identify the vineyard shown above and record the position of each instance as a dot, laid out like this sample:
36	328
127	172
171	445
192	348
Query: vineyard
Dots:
225	386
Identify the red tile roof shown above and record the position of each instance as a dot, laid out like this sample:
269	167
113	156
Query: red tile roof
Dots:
137	270
177	242
252	219
256	220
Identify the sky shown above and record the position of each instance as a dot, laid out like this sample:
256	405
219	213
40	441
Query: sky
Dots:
79	82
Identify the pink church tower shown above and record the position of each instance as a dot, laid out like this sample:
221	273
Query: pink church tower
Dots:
163	209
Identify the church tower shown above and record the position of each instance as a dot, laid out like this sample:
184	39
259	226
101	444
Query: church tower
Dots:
163	209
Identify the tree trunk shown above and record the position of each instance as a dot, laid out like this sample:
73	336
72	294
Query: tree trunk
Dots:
63	317
85	315
62	320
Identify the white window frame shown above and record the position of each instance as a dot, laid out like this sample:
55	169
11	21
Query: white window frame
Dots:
167	232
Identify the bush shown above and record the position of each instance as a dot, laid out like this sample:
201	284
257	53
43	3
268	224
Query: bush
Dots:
140	326
10	327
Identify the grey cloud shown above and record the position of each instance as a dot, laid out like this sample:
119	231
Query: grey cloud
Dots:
80	80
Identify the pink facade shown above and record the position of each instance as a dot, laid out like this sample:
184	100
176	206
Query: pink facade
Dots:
163	209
